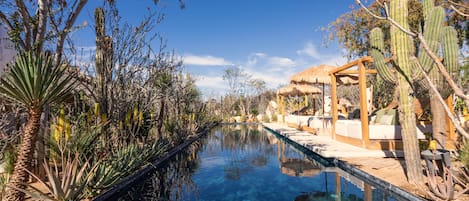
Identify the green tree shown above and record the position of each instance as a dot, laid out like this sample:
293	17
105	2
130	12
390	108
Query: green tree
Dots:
33	82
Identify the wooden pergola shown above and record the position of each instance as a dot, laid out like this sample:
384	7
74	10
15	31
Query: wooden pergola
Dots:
361	71
365	141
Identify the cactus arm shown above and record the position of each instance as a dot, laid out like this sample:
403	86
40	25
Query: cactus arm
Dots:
449	47
432	34
458	91
376	51
428	5
100	31
401	43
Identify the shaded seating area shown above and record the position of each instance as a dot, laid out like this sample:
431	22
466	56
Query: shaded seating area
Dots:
379	130
319	119
299	114
383	128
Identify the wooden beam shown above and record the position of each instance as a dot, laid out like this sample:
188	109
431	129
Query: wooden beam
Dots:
348	72
334	104
363	104
351	64
349	140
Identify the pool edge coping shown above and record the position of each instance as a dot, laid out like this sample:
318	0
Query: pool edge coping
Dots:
354	171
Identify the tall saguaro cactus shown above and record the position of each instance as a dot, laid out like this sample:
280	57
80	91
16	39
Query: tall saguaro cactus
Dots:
104	60
405	72
449	48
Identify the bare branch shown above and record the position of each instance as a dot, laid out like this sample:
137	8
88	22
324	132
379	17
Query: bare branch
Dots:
458	11
369	11
23	11
68	25
401	28
41	26
386	18
4	19
461	5
458	91
440	99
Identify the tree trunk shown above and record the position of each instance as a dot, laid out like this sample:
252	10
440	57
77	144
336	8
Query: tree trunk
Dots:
438	122
20	176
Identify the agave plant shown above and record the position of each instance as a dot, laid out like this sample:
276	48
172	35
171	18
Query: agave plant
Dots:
125	161
33	82
68	184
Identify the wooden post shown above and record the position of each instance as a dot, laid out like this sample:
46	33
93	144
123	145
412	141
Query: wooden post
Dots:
314	105
363	104
278	104
450	130
323	106
334	104
306	100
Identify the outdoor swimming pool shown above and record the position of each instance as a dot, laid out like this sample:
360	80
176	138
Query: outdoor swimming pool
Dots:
247	162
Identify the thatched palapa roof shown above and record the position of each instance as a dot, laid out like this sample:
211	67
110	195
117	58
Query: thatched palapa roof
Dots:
298	89
320	75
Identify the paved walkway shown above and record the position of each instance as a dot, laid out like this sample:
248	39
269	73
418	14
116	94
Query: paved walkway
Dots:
325	146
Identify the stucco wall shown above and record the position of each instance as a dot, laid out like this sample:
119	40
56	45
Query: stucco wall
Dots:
7	49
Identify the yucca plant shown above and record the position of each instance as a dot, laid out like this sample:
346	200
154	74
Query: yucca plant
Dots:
33	82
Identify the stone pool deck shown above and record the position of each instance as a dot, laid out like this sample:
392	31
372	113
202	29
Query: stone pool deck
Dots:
387	166
325	146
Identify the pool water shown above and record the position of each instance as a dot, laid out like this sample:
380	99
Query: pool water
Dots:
248	163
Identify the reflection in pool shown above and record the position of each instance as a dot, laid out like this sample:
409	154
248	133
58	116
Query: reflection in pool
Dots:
246	162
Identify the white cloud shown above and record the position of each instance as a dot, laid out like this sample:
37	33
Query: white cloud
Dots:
272	80
212	82
309	50
281	61
206	60
274	70
333	60
259	54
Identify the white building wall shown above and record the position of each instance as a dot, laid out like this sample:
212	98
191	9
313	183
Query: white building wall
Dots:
7	49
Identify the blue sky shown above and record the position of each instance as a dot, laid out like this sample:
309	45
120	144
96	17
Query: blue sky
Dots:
269	39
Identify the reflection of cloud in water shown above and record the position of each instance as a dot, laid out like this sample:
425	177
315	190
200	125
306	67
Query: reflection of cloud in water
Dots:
211	162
